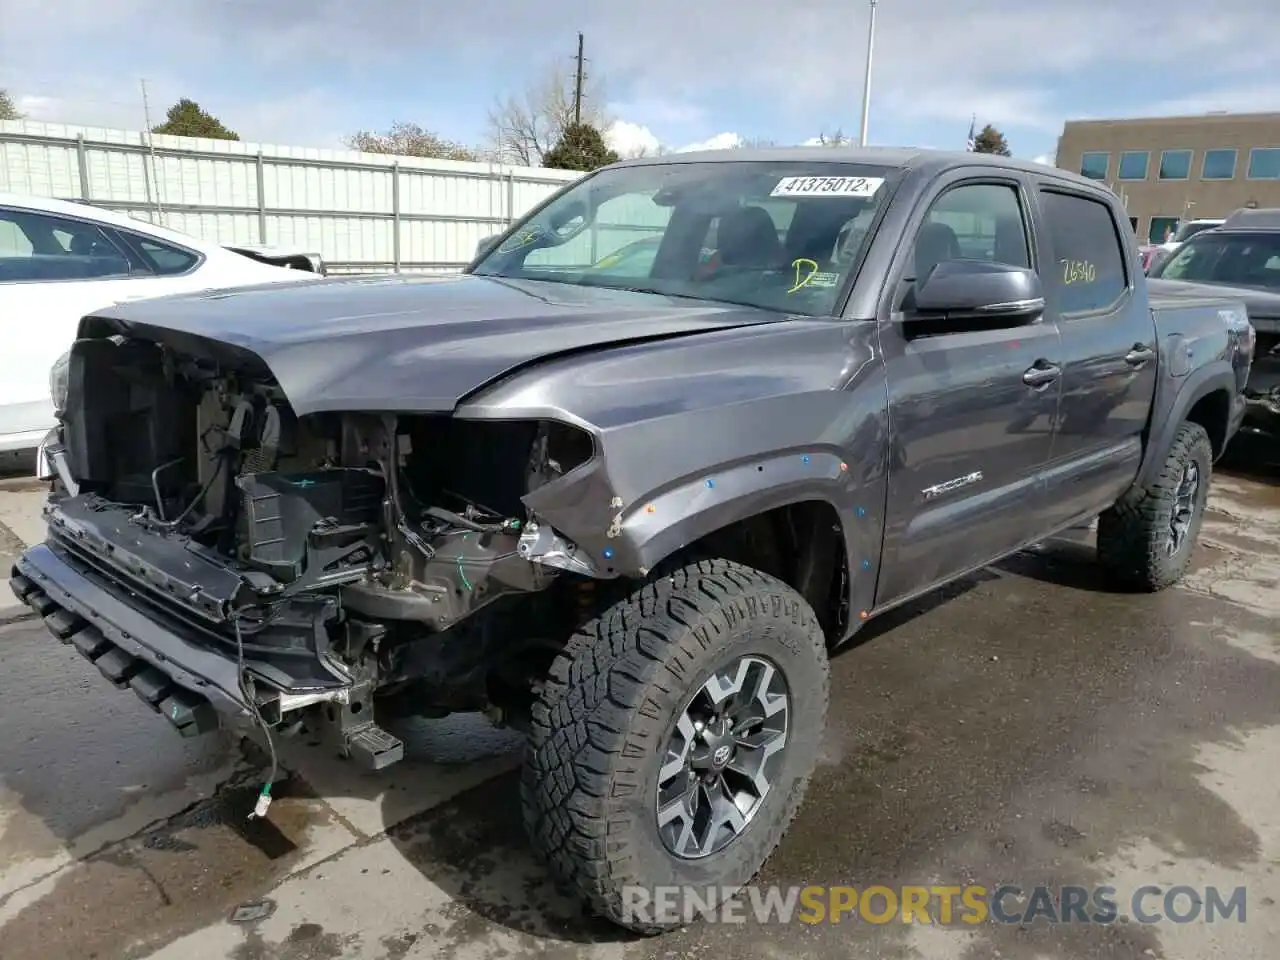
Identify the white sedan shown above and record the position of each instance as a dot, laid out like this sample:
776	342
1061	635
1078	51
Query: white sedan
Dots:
61	260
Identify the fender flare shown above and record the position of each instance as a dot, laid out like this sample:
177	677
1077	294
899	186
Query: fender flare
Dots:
1201	382
731	494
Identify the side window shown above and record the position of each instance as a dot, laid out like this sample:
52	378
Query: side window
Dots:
976	221
852	234
1088	271
626	232
38	247
163	259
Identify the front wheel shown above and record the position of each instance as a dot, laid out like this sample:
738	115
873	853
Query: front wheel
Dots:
674	740
1145	540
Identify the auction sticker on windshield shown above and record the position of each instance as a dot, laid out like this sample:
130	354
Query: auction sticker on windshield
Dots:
827	186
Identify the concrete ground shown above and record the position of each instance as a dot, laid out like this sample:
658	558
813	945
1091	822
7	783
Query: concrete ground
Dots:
1025	726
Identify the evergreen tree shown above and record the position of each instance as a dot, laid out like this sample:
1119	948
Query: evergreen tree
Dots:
581	147
991	140
186	119
8	109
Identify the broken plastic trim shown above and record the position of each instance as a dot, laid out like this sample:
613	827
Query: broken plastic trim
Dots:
51	462
539	543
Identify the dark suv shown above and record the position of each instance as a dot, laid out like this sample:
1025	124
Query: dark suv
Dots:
1241	260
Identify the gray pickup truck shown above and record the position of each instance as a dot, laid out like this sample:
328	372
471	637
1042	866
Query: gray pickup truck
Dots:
627	503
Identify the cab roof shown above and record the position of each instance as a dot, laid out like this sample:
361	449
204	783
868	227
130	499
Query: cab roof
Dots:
906	158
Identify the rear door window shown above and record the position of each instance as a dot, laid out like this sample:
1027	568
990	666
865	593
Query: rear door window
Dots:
1089	271
163	259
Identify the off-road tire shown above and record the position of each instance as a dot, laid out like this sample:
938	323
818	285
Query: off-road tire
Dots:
1132	534
611	701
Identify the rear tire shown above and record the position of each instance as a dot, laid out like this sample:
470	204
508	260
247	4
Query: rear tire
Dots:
636	728
1145	541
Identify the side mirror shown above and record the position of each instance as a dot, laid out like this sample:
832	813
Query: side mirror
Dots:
487	244
570	221
978	290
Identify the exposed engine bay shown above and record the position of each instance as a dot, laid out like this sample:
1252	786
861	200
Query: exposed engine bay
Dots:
339	554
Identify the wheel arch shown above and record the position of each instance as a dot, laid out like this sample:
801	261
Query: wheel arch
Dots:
1204	398
800	541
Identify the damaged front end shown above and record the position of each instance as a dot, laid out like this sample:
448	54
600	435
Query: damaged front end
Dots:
1262	394
227	559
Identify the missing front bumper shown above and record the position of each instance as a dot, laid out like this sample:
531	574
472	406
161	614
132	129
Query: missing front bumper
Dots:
109	635
194	685
109	627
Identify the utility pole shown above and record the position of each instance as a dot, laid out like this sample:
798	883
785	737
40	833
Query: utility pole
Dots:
151	145
866	84
577	88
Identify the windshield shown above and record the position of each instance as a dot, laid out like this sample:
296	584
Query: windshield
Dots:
1189	230
780	235
1234	259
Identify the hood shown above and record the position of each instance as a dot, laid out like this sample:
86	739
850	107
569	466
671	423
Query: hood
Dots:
409	344
1259	303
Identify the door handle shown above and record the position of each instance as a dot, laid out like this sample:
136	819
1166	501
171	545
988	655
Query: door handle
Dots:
1041	375
1139	355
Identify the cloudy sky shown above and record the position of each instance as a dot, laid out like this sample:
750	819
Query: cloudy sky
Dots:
308	72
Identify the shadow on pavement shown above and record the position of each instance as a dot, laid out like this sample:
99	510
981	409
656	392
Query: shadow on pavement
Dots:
474	847
901	616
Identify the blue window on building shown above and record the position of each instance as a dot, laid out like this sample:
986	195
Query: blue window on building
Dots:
1219	165
1264	163
1095	165
1134	164
1175	165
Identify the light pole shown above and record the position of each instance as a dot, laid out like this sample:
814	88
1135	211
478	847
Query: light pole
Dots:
866	84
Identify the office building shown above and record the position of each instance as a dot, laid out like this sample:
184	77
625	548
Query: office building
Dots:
1167	169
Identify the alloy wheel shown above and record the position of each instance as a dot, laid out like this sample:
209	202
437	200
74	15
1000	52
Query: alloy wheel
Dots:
723	757
1185	499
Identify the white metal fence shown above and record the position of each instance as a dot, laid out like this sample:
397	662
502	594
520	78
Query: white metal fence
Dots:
360	211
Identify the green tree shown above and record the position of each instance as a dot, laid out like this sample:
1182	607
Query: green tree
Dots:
8	110
581	147
991	140
410	140
186	119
